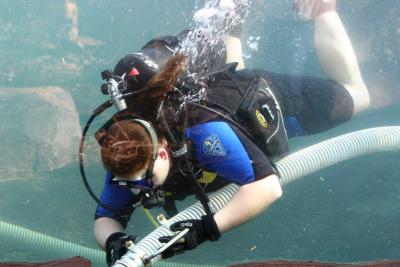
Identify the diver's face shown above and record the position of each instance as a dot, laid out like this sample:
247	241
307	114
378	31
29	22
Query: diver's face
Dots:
160	168
160	171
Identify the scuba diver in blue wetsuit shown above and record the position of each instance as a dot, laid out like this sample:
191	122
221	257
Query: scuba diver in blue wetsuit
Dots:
164	144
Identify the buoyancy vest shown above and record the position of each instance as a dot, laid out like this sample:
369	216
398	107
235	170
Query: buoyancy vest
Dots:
242	97
249	101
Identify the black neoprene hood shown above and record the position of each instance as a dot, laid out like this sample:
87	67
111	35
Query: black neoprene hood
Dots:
147	61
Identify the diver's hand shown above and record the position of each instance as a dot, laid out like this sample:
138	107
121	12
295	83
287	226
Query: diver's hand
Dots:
311	9
199	232
117	245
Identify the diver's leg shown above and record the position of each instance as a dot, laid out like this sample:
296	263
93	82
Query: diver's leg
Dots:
231	24
234	51
337	58
232	40
334	49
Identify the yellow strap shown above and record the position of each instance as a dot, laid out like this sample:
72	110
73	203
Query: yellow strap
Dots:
151	218
207	177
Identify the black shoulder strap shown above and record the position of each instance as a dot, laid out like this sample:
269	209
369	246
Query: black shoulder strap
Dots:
181	152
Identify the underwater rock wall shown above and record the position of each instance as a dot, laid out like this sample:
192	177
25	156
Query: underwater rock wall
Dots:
40	130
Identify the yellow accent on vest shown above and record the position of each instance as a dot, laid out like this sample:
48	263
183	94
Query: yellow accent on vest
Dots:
261	119
207	177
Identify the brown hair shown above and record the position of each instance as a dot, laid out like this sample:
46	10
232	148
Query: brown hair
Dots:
162	83
126	147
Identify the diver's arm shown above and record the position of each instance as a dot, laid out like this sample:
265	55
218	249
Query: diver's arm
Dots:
103	228
337	58
249	201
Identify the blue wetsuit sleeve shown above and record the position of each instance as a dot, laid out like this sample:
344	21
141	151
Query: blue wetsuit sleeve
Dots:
218	149
115	202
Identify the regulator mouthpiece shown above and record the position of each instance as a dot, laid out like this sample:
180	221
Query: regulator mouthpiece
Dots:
114	86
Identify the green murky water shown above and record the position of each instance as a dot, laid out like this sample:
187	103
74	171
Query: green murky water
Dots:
346	213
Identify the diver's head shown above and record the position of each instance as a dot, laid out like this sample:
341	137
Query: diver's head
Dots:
132	153
141	66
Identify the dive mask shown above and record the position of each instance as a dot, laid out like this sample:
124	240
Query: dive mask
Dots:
140	183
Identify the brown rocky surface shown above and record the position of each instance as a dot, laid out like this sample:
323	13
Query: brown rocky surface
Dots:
40	130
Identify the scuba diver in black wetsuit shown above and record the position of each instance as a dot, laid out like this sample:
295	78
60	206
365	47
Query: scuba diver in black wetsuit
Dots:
230	133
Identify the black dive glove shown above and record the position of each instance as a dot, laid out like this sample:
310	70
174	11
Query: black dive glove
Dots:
199	231
117	245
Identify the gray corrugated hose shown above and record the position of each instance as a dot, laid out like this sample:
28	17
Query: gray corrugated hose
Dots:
290	168
53	246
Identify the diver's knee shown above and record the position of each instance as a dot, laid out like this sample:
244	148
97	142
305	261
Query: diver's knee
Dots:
361	98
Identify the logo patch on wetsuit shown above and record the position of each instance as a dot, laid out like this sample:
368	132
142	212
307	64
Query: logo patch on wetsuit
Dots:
261	119
212	146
